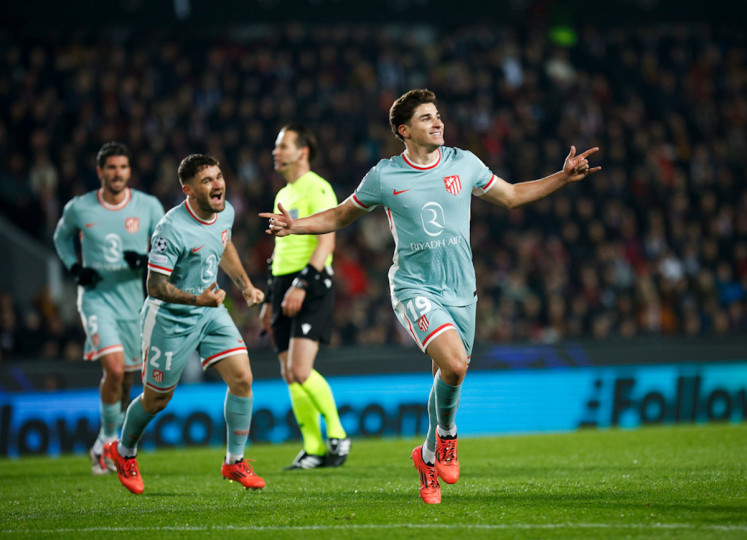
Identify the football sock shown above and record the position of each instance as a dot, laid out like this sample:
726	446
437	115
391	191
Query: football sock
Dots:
238	414
136	420
428	457
429	448
110	417
320	393
447	403
308	419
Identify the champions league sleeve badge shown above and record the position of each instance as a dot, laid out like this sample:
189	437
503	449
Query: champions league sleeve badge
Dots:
160	244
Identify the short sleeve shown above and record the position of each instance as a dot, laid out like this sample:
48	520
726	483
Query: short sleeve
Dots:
164	250
367	195
484	179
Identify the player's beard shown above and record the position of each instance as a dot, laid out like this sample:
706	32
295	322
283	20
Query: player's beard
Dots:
207	205
120	186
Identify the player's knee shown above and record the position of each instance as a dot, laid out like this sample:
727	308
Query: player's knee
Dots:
455	371
241	383
299	375
154	403
114	376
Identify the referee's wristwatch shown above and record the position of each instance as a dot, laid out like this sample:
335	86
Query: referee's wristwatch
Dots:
299	283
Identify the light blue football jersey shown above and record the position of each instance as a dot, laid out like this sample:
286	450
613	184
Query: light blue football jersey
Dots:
428	209
189	250
106	231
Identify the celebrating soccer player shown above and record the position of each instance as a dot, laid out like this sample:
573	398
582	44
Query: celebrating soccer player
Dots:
426	192
184	313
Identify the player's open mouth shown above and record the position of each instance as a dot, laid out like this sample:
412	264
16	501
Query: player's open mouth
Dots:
216	197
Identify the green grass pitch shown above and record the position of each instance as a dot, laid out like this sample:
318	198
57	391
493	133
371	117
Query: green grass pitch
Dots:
658	482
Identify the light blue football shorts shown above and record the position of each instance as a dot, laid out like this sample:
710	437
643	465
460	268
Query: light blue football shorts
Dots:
425	318
105	334
166	353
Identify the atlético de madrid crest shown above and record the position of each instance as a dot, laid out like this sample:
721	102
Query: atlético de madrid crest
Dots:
453	184
132	224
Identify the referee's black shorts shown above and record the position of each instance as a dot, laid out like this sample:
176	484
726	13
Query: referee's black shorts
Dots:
314	321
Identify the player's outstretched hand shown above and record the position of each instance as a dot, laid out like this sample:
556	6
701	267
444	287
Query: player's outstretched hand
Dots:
577	166
280	224
253	296
212	296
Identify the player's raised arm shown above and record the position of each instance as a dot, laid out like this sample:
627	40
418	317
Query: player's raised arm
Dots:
323	222
575	168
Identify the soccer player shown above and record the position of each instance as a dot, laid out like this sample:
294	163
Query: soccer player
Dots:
184	313
426	194
114	224
298	311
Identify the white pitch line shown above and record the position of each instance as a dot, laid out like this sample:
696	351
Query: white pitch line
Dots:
405	526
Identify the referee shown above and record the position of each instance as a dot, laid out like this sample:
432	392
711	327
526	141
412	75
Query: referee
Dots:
298	311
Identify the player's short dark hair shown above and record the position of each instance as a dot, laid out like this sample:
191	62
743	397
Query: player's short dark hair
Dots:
110	149
404	107
304	137
194	163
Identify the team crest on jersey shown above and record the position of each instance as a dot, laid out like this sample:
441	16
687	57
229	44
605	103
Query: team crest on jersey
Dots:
224	238
132	224
423	323
158	376
453	184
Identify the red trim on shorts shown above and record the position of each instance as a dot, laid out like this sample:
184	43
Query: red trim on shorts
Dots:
445	325
414	335
95	355
224	353
160	390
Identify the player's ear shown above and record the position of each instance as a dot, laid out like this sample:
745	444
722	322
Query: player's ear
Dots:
187	189
404	130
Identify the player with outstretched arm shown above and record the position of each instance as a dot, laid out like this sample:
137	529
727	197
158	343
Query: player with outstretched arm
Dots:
426	193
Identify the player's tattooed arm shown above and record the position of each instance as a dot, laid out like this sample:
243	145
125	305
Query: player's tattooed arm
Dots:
159	287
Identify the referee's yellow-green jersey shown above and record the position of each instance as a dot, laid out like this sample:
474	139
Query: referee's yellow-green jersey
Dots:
309	194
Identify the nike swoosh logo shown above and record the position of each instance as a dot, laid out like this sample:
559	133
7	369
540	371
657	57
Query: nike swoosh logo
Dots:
89	225
400	192
195	250
241	341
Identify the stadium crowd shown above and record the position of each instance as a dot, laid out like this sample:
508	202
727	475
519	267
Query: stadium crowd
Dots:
654	244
